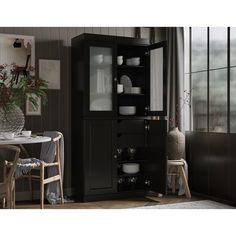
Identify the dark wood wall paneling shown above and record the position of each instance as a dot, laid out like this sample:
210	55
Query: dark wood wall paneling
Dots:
212	164
54	43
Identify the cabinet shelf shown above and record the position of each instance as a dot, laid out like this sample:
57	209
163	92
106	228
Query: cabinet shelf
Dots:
130	67
132	94
126	133
123	175
101	66
133	117
132	160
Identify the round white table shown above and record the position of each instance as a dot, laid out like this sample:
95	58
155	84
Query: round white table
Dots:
24	140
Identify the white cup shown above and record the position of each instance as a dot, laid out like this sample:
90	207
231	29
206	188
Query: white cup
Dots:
119	60
120	88
26	133
8	135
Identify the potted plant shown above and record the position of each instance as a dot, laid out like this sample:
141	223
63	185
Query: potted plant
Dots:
15	88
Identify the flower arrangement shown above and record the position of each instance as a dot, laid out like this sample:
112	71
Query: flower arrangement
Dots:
16	86
185	100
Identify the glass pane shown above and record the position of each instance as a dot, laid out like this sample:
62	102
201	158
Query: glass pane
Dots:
156	83
186	49
199	48
233	46
218	47
100	79
199	101
218	101
186	104
233	100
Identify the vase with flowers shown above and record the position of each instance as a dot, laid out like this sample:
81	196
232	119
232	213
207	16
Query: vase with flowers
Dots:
15	88
175	138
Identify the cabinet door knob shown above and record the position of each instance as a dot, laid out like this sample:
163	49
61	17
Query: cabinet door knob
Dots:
115	156
115	79
147	127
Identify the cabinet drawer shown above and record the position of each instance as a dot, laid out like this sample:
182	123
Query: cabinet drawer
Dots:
130	126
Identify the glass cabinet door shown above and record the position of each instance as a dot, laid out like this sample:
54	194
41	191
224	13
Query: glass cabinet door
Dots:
158	79
100	79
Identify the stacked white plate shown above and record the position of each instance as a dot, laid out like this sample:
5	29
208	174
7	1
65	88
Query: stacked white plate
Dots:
133	90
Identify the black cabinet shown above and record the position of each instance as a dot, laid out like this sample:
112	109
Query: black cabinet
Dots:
109	135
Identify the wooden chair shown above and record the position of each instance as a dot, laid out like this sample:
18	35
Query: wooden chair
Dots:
42	177
176	168
7	187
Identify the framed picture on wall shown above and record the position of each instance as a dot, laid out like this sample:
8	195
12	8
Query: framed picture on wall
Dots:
31	109
49	70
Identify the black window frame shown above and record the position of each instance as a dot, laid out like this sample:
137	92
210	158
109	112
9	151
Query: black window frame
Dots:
228	67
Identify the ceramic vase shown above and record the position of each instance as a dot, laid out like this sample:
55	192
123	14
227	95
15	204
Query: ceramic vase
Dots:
175	144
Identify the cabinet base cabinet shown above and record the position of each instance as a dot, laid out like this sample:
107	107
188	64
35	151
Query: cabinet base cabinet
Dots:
102	158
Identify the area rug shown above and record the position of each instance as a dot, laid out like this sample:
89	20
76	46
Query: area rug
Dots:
202	204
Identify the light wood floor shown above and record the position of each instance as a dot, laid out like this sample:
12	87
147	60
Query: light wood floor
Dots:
112	204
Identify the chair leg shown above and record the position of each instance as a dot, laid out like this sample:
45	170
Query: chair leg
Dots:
185	181
60	184
8	198
61	191
4	202
42	186
31	187
13	192
173	179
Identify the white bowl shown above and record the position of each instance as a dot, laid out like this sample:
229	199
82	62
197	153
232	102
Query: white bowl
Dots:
120	88
127	110
130	168
8	135
98	59
128	62
26	133
134	61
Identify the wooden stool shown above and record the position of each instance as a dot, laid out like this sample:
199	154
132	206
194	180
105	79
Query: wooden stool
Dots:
176	168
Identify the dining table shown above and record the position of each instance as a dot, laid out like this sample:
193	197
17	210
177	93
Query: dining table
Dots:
20	140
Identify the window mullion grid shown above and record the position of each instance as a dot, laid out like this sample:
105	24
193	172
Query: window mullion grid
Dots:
190	78
208	82
228	80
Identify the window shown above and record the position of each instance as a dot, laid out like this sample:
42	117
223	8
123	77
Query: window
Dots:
211	78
